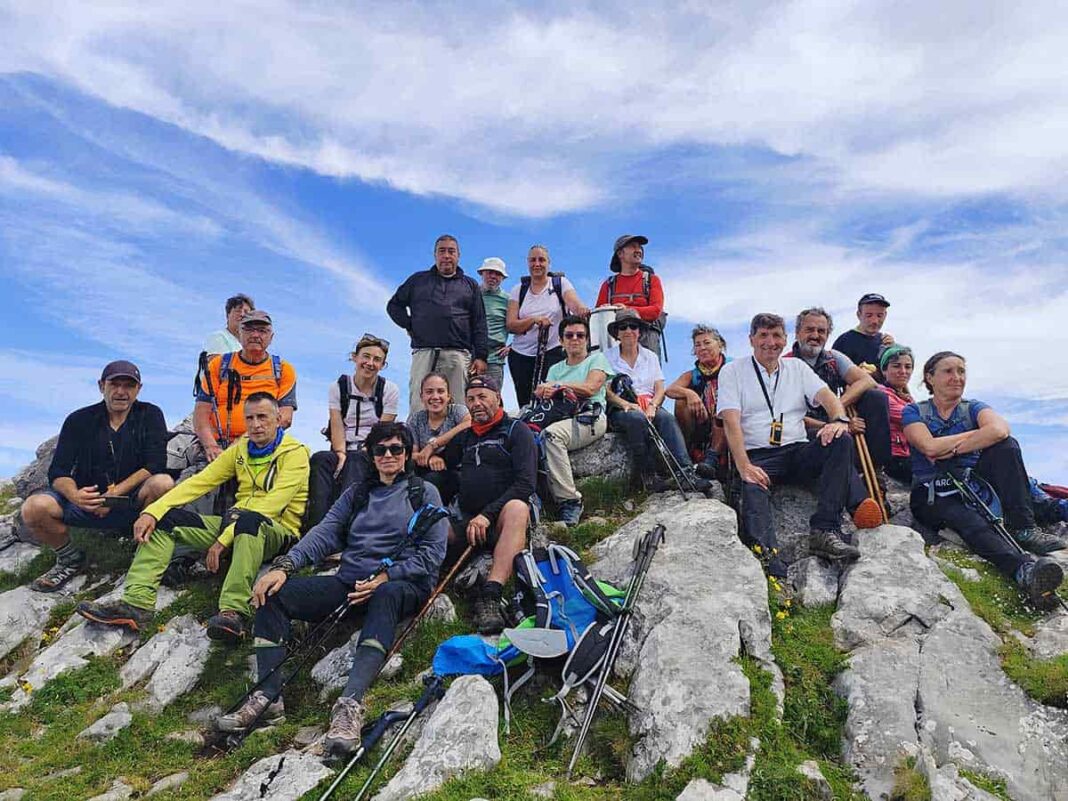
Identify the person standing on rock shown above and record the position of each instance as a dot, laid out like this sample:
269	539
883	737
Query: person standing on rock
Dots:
271	468
863	343
442	311
366	525
228	339
495	301
356	402
218	416
763	402
950	432
498	472
635	285
110	461
585	374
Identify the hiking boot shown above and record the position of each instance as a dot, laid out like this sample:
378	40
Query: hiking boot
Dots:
1038	541
58	575
249	712
569	512
698	483
346	720
868	514
656	483
181	570
227	626
487	614
116	613
831	546
1039	579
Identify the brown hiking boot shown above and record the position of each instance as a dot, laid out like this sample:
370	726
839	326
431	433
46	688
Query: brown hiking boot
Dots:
250	712
346	720
116	613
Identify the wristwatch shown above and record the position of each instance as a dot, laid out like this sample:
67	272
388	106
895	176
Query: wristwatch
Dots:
843	420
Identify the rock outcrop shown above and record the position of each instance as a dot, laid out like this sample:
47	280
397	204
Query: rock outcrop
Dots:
174	658
34	476
605	458
924	674
284	777
24	612
704	601
117	719
460	735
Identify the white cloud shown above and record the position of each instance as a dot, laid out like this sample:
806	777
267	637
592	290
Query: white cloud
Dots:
534	111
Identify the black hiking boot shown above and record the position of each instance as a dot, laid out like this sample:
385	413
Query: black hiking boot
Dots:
181	570
1039	579
487	613
59	574
227	626
1038	541
693	479
831	546
116	613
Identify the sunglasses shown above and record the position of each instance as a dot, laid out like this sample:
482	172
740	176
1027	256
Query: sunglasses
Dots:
371	339
574	335
396	449
628	327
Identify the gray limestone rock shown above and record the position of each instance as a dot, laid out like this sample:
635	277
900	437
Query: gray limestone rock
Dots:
174	659
815	581
12	794
119	791
1051	636
171	782
34	476
924	675
191	736
704	790
605	458
705	589
283	777
108	726
15	558
24	612
811	771
947	784
460	735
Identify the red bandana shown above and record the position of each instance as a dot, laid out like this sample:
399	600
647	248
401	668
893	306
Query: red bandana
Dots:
482	428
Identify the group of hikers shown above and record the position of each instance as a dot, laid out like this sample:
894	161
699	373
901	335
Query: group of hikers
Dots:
773	416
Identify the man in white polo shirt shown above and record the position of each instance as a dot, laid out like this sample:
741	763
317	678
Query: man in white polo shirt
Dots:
762	402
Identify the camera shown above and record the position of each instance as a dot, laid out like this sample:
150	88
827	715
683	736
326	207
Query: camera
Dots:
775	435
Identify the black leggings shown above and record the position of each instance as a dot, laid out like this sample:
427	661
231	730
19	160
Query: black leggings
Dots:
522	369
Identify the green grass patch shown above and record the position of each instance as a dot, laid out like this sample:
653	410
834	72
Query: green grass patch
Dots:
995	598
909	783
995	787
1045	680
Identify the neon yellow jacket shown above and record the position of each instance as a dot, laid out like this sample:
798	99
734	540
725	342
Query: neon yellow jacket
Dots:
279	491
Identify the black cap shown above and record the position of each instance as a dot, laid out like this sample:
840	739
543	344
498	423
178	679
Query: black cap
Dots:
874	297
483	381
121	368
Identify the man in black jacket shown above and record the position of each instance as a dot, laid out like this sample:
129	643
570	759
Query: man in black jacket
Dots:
498	471
442	311
109	463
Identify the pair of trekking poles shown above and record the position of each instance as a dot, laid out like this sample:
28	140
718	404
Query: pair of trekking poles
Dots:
867	469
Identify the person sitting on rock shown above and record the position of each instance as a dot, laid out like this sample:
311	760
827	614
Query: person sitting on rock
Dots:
228	379
694	393
271	468
228	339
433	429
763	402
896	365
950	432
356	403
864	343
498	471
585	374
629	417
110	461
367	524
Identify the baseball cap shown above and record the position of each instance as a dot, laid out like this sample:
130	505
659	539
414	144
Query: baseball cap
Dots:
121	368
494	264
873	297
256	316
483	382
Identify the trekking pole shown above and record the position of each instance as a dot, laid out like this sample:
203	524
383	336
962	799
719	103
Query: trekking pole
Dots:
539	358
435	689
372	733
867	469
429	602
673	466
968	493
644	550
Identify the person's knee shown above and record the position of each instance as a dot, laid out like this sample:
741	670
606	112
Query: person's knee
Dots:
322	459
38	508
249	522
514	516
179	517
156	487
1009	444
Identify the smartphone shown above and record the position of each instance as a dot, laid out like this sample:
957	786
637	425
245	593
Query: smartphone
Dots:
120	502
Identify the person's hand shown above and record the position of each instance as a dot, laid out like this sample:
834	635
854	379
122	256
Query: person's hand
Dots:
868	367
856	425
212	451
887	340
696	405
581	310
421	457
543	391
478	366
650	410
502	353
341	457
269	583
101	511
436	463
756	475
543	322
88	498
216	551
143	527
477	529
363	590
830	432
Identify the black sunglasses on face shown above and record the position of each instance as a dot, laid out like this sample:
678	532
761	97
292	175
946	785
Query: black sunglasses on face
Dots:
628	327
574	335
396	449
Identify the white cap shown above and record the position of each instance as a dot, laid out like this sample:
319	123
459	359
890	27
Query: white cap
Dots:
495	264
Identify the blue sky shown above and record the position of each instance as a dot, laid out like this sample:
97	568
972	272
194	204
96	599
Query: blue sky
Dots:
157	157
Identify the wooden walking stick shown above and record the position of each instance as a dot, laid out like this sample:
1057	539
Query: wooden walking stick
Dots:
867	467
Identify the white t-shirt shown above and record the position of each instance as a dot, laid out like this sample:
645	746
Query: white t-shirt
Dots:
791	389
539	304
364	407
222	342
645	372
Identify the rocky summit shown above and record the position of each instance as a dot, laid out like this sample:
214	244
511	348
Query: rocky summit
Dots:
906	675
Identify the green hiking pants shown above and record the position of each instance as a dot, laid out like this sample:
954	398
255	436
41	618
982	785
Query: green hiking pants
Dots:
256	539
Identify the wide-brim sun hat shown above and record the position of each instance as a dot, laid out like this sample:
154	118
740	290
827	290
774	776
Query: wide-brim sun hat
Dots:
626	316
623	241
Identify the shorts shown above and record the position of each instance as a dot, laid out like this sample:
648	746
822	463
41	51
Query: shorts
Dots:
459	519
75	516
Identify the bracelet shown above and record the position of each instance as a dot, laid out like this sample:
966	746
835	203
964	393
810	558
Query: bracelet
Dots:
284	563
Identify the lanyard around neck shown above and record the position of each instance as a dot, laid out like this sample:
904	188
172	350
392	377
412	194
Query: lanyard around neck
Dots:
763	386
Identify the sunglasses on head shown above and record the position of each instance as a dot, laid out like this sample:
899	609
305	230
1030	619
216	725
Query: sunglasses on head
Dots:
574	334
628	327
371	339
395	449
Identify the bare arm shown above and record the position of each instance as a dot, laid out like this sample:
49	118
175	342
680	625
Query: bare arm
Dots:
732	426
859	381
584	389
830	403
993	428
576	306
514	324
337	432
127	485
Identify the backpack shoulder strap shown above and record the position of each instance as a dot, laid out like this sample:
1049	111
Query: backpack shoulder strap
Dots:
646	281
612	286
224	366
558	288
524	288
416	492
344	390
276	367
379	397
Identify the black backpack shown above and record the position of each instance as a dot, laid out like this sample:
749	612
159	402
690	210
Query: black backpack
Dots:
344	386
362	493
557	288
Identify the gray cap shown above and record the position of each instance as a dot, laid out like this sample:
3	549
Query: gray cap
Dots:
623	241
256	316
